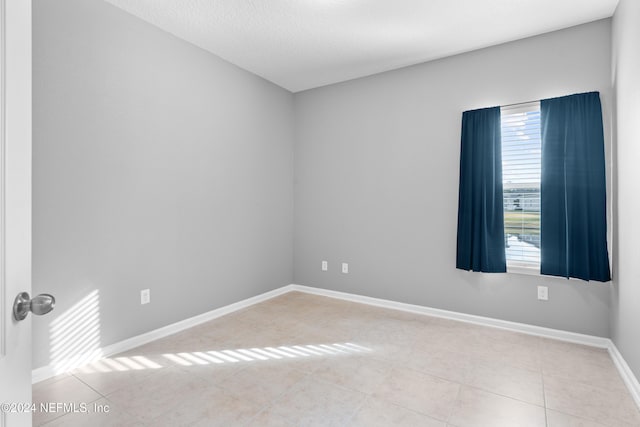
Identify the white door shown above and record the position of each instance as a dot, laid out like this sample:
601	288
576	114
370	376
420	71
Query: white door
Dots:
15	208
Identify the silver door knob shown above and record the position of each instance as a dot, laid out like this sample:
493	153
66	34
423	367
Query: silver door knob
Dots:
41	304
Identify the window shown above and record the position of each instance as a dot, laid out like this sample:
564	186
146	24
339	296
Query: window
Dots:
532	193
521	173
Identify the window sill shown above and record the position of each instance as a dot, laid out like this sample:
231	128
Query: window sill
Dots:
519	269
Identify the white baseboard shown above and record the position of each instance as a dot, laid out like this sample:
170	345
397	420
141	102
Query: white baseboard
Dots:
573	337
48	371
627	375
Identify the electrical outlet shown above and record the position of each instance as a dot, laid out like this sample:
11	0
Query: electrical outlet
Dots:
345	268
145	296
543	293
325	266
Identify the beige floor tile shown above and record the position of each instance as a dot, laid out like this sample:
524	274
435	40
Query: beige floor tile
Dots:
155	350
419	392
307	364
558	419
259	314
446	364
263	336
325	335
556	350
338	342
150	351
211	407
223	325
108	375
582	400
386	343
438	339
185	341
358	373
309	308
380	413
301	359
590	366
213	373
606	377
476	408
364	309
65	389
317	403
158	394
497	335
520	356
402	329
293	325
270	419
388	313
51	380
442	334
254	338
261	384
517	383
485	342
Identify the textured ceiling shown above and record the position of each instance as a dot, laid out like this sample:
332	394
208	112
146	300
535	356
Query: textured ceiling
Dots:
302	44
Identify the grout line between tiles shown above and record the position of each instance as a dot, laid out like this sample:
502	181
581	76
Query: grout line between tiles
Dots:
86	384
453	407
544	400
274	399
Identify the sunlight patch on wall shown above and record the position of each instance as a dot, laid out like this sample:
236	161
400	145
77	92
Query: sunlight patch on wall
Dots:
75	335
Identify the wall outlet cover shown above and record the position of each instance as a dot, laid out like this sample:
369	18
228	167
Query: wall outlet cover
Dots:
145	296
543	293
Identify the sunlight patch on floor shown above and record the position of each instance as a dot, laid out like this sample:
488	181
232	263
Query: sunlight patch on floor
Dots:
200	358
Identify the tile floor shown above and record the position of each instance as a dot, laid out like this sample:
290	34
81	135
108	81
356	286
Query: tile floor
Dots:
304	360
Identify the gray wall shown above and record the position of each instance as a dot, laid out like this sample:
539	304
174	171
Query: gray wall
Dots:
626	71
376	178
156	165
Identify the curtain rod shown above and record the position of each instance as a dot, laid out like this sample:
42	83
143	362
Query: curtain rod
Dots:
531	102
519	103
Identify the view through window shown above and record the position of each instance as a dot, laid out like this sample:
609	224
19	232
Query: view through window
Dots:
521	173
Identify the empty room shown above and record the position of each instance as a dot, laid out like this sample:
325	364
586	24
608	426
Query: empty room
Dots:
319	213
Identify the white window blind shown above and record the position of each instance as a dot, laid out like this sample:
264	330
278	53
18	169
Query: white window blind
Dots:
521	172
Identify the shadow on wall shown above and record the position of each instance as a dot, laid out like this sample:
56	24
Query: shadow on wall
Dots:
75	335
